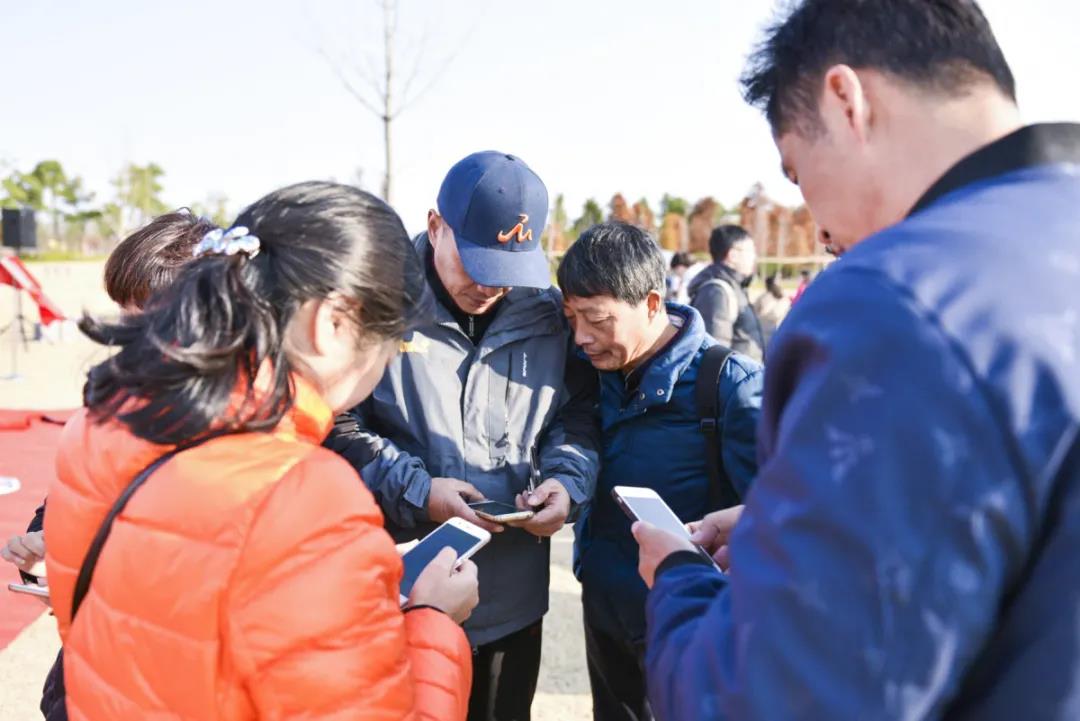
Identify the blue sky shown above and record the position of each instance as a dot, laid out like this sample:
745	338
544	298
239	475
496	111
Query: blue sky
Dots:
233	97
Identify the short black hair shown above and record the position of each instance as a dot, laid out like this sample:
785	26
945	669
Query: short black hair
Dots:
682	259
613	259
941	45
723	238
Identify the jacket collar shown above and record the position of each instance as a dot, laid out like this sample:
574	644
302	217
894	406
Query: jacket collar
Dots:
1030	146
310	418
663	370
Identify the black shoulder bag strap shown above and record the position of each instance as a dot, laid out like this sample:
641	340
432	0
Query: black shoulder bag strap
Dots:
707	394
86	571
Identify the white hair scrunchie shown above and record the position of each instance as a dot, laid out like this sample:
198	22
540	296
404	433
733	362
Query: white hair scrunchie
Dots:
228	242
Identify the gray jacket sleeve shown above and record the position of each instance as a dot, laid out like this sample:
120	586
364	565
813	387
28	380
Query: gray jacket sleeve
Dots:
713	301
399	481
570	447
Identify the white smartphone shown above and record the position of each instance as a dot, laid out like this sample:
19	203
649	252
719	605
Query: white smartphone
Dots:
29	589
464	537
645	504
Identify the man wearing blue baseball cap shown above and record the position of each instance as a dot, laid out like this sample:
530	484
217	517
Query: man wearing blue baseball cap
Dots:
471	399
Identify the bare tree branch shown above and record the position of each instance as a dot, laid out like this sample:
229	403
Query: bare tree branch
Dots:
408	101
355	92
418	63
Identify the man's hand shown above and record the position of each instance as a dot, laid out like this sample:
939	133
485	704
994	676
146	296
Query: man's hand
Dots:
713	531
27	552
449	498
654	545
551	504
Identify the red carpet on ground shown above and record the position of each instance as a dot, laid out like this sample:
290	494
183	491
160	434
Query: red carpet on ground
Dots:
27	451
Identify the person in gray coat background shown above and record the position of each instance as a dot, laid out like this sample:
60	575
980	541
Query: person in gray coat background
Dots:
461	408
719	292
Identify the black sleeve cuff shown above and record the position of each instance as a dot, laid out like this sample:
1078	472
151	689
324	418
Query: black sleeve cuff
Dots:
681	558
37	523
417	608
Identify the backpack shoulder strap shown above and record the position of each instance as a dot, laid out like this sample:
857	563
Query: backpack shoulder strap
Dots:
707	398
86	571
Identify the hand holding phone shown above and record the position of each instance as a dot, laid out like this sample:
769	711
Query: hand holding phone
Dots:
551	503
448	584
450	498
645	504
443	588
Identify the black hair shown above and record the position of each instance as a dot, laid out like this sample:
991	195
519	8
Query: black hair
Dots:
614	259
682	259
772	285
941	45
150	258
723	238
187	365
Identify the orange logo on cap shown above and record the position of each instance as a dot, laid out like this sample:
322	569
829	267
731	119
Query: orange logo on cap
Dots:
518	230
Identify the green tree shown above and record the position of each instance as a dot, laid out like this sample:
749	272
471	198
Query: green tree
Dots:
558	213
591	214
47	188
22	190
673	204
138	199
215	207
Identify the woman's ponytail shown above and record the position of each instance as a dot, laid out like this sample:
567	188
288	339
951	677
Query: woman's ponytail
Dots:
209	351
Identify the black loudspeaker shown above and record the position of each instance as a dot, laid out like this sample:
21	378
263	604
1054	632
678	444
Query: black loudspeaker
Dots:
20	229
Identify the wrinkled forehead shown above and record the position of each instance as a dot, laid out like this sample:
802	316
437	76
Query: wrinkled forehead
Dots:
593	304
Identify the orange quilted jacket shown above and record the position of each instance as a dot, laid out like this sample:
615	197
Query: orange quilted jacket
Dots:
250	578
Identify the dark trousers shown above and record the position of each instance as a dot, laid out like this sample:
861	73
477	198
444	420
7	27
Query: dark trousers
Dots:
504	676
617	677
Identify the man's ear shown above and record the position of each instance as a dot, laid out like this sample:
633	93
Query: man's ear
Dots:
845	106
655	302
434	221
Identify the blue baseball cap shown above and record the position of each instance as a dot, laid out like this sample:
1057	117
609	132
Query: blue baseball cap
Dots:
497	207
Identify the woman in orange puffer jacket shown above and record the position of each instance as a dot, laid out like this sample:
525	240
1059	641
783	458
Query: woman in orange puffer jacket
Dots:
250	577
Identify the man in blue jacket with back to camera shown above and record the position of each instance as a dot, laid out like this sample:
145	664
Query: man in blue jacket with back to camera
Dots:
678	414
909	549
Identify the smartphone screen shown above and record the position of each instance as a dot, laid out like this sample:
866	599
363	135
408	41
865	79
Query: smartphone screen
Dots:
417	559
656	512
494	508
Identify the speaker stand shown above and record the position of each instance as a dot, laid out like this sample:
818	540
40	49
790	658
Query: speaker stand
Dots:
17	324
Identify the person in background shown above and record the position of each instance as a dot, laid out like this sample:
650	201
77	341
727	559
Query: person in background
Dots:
675	281
488	384
909	548
651	357
805	278
240	365
719	292
771	307
141	264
